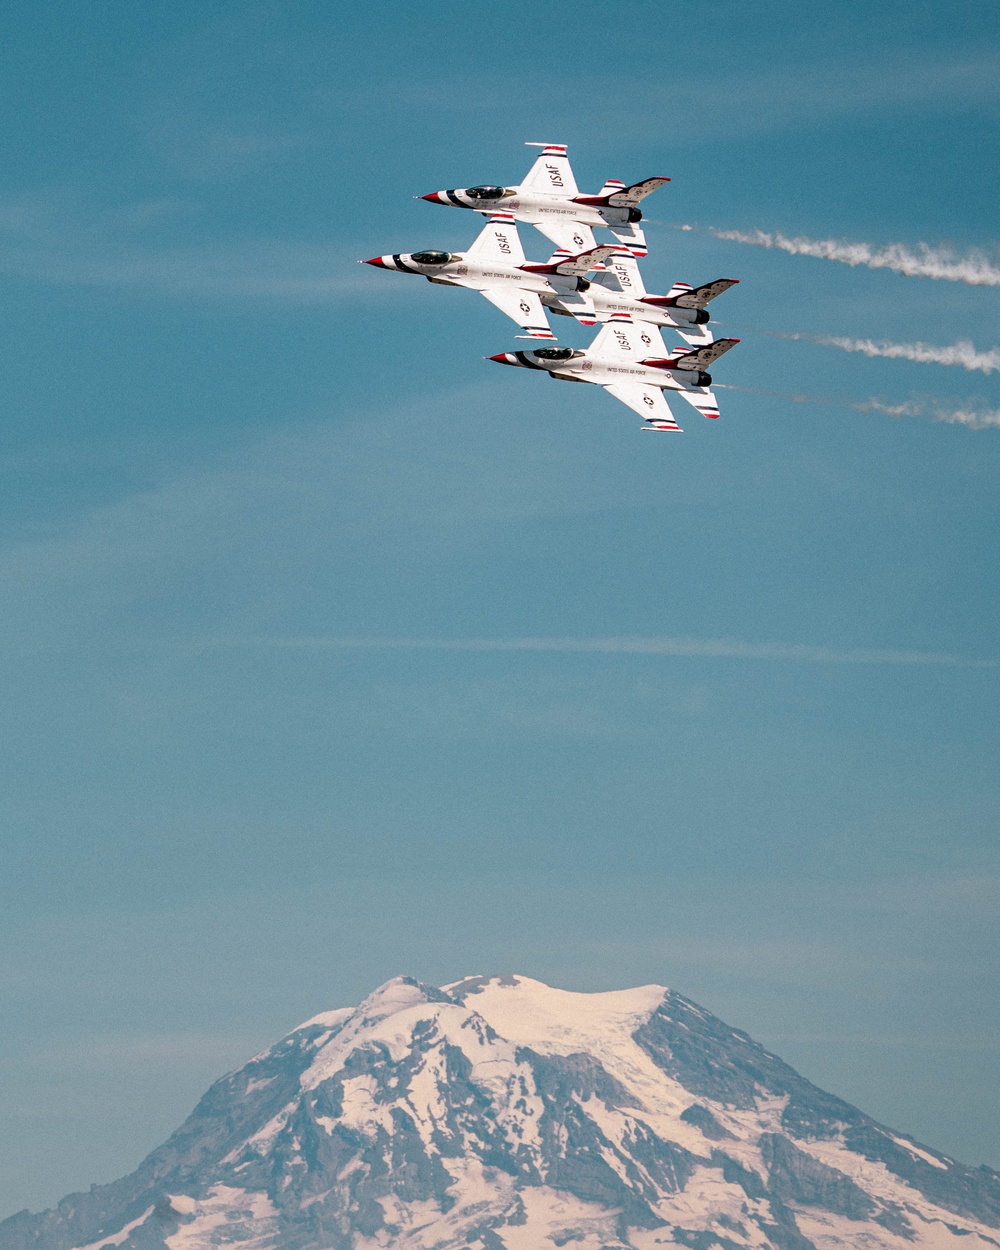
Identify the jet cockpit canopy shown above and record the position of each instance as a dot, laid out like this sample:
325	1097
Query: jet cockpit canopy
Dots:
431	258
556	353
488	193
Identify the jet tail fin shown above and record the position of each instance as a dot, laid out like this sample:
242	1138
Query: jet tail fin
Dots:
620	338
622	274
552	173
498	241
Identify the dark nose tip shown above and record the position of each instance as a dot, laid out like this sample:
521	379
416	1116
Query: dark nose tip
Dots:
377	260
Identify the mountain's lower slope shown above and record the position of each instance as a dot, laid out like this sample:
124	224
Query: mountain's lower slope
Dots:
500	1114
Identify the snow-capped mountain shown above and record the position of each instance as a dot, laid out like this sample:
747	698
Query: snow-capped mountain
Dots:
500	1114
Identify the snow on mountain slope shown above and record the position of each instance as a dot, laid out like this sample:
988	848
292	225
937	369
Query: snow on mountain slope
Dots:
500	1114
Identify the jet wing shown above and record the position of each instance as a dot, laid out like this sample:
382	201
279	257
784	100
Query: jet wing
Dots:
576	266
647	401
628	197
699	296
704	357
572	236
524	307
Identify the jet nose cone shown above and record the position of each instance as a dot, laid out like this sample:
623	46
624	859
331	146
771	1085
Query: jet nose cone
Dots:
436	197
377	260
504	358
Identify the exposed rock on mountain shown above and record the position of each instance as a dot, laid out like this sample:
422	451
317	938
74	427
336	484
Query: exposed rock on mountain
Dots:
500	1114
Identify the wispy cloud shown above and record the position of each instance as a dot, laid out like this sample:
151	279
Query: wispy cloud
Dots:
722	648
945	264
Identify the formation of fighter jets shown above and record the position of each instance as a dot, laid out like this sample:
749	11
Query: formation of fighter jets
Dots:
628	357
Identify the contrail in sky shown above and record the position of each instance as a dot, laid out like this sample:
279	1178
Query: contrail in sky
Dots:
722	648
974	268
968	413
962	354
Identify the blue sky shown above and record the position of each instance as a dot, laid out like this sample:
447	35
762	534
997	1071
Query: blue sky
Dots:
227	449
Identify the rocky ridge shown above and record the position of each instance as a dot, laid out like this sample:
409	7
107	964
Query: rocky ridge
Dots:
500	1114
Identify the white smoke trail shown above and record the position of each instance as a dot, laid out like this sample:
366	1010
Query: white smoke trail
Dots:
970	416
974	268
911	409
970	413
962	354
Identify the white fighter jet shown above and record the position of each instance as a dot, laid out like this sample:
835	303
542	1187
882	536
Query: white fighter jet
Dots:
617	288
631	362
549	200
495	266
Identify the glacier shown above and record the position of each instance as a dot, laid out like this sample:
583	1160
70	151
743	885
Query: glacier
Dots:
498	1113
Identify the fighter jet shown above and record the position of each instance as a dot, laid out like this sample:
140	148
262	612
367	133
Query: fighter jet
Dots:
619	288
495	266
631	362
549	200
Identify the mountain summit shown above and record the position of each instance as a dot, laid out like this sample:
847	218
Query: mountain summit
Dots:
500	1114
